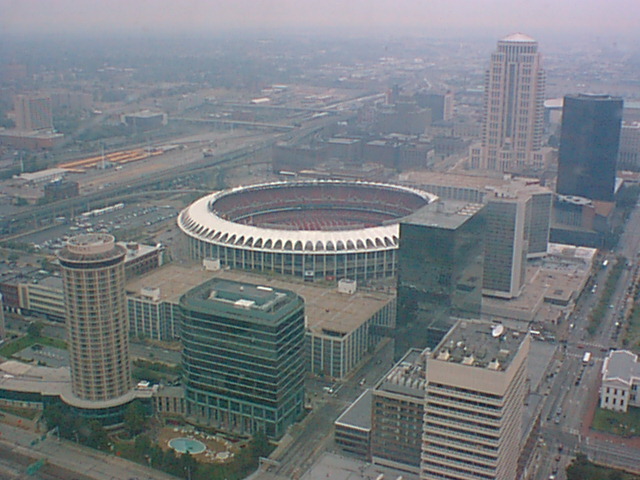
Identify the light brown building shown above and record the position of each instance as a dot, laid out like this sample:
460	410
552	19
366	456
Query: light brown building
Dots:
513	108
33	112
476	387
96	317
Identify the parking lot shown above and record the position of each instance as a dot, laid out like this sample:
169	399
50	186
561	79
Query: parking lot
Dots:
119	219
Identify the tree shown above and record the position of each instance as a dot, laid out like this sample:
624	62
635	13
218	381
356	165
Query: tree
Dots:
579	468
615	475
97	437
34	330
188	464
259	444
135	418
142	443
57	415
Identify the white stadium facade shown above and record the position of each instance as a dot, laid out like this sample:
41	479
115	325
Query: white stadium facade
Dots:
316	229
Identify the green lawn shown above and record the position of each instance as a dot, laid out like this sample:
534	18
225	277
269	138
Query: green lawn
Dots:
583	469
622	424
607	291
18	344
155	372
631	340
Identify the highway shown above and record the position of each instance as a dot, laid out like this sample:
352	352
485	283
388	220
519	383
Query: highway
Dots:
187	163
32	217
65	460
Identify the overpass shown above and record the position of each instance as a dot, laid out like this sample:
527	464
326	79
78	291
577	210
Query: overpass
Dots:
236	123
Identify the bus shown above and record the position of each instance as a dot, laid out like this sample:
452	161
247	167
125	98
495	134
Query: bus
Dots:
586	357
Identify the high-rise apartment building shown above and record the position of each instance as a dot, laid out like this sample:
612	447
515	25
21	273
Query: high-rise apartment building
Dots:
589	142
440	268
513	108
475	393
243	357
33	112
96	317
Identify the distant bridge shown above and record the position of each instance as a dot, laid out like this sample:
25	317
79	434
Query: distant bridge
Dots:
237	123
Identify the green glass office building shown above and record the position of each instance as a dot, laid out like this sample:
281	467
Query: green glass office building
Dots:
440	269
243	356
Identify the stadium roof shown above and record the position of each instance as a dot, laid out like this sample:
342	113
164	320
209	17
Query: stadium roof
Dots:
200	221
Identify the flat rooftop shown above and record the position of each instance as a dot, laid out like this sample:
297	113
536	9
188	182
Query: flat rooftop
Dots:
338	467
482	182
558	278
358	415
478	182
135	250
407	377
241	295
479	344
259	302
48	381
327	310
172	281
448	214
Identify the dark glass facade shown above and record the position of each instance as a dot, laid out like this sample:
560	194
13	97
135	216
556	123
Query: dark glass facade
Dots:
589	144
505	253
440	268
243	356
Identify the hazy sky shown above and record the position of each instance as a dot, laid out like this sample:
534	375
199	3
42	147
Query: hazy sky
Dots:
619	18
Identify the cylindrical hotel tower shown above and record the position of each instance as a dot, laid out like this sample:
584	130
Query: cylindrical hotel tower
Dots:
97	327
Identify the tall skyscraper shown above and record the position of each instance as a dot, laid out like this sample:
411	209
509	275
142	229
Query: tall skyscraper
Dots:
506	244
440	264
475	393
589	142
96	317
539	221
513	108
517	227
33	112
243	356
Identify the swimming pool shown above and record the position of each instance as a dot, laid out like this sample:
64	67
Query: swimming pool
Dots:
184	445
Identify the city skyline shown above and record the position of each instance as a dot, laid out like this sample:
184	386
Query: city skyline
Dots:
237	219
409	17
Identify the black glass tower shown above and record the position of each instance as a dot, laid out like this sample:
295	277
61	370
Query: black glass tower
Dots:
589	142
440	268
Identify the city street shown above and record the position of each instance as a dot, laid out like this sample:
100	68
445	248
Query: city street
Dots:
574	393
314	434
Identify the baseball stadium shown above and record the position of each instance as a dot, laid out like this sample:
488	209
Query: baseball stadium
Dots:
315	229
